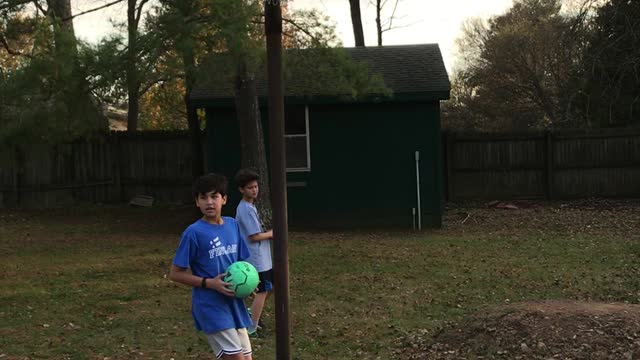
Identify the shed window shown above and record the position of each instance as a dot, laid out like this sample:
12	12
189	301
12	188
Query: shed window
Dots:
296	137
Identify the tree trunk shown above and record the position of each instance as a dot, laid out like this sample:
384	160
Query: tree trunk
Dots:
379	21
356	21
133	83
195	134
61	10
133	108
64	34
253	151
75	94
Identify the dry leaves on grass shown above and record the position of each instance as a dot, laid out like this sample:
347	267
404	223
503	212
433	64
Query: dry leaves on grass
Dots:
539	330
592	216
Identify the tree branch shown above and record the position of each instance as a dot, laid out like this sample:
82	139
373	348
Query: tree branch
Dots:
5	45
299	27
144	89
139	12
400	26
393	14
92	10
36	3
7	6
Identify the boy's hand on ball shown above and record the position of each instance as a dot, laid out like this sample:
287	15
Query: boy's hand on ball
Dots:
220	285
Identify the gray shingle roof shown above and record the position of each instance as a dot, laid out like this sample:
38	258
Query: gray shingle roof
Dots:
406	69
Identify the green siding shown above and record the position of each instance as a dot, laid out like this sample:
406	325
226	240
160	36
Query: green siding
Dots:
223	151
223	148
362	164
363	167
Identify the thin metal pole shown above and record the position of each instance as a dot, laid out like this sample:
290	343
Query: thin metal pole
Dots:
273	30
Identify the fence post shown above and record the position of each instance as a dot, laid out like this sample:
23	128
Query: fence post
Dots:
18	180
116	166
450	174
548	159
71	169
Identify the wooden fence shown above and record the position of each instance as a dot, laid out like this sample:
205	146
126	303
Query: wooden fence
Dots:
117	167
112	169
559	165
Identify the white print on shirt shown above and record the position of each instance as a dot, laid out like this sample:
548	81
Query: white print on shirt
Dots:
218	250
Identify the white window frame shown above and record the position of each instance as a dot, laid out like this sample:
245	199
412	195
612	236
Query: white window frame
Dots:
306	135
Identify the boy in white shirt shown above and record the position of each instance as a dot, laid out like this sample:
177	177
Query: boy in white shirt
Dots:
258	241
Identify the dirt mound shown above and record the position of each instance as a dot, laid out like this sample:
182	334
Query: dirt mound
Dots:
543	330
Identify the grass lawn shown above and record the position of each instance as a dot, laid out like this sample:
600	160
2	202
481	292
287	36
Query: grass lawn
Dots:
90	283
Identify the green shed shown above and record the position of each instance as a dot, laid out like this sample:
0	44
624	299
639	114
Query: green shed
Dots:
354	164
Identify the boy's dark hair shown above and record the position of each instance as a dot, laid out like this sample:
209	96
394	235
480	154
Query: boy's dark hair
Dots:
208	183
245	176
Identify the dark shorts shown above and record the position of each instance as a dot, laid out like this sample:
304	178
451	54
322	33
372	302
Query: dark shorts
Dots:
266	281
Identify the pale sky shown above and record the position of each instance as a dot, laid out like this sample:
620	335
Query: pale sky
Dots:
421	21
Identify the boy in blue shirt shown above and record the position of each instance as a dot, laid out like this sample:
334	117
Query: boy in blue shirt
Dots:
207	247
258	240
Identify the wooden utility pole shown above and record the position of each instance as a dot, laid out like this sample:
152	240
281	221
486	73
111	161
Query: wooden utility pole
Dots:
273	30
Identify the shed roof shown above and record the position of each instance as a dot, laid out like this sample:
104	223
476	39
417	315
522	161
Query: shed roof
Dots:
415	71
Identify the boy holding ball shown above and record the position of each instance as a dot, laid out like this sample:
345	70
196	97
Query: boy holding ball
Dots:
207	247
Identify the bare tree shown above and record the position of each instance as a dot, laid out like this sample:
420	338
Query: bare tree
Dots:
385	25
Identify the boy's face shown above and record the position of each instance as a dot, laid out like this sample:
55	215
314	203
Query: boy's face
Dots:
250	191
210	204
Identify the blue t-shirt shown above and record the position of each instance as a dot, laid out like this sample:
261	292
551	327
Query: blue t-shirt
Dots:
249	222
208	249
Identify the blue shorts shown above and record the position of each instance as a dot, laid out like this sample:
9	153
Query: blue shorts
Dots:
266	281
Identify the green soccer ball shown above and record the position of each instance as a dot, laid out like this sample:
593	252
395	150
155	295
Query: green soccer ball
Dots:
243	277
